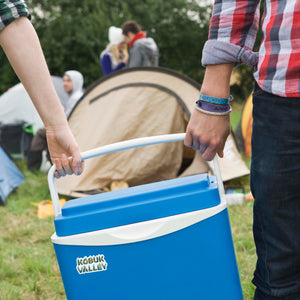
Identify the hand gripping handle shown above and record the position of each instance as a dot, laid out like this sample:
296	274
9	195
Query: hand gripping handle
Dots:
134	143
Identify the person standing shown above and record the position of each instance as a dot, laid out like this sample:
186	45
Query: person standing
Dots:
275	165
29	64
143	51
115	56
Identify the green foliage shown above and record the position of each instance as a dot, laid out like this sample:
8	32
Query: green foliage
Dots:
73	33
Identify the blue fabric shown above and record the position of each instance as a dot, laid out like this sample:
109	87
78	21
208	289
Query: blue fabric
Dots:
107	65
10	176
275	184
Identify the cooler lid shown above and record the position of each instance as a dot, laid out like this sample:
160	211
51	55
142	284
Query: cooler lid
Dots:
137	204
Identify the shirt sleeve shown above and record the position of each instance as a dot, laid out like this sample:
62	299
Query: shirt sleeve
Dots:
11	10
232	33
106	65
119	66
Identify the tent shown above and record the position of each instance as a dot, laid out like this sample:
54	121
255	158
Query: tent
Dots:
134	103
18	116
243	131
10	176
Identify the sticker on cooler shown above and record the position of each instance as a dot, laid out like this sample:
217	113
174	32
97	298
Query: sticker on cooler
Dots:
92	263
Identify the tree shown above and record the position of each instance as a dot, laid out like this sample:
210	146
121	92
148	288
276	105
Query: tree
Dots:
74	32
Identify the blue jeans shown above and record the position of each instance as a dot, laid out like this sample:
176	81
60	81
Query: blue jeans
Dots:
275	184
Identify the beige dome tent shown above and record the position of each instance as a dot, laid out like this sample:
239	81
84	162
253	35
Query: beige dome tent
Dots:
135	103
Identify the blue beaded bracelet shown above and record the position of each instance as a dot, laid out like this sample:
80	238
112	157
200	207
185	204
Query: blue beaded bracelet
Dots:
223	101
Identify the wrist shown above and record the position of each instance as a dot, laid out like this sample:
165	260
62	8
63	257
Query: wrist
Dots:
216	82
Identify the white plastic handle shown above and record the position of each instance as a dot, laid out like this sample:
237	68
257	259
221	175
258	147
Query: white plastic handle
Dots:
134	143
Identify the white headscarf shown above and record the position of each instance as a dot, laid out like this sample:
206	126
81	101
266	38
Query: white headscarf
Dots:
77	92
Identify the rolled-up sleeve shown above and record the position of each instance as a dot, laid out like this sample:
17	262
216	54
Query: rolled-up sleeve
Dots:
11	10
232	33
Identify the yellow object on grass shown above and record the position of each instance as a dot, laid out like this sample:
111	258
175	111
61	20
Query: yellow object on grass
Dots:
246	124
45	208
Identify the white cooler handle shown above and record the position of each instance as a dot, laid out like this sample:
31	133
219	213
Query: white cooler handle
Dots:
134	143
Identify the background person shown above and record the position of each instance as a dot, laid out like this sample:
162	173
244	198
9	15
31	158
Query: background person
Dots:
30	66
73	86
115	56
143	51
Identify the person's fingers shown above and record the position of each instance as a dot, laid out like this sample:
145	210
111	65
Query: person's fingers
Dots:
209	153
59	167
81	168
202	148
196	143
221	149
77	164
188	140
66	165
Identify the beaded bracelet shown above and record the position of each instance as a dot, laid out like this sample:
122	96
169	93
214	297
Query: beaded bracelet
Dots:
211	109
213	100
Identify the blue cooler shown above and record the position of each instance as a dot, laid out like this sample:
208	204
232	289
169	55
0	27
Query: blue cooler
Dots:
167	240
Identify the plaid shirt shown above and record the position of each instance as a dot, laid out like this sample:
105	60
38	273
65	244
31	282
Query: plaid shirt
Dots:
233	29
11	10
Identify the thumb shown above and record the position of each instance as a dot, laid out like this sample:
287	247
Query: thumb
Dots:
77	163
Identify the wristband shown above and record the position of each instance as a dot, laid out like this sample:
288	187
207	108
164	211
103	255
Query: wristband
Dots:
213	100
211	109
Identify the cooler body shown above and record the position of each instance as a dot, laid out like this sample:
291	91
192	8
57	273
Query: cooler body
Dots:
169	240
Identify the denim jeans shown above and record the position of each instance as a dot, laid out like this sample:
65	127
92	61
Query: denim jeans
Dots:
275	184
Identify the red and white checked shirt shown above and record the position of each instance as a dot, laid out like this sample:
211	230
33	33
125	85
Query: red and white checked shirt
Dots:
232	34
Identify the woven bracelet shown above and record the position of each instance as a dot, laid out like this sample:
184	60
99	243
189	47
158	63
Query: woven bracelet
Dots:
214	100
211	109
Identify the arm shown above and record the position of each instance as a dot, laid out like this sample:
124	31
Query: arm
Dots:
119	66
232	34
106	64
21	45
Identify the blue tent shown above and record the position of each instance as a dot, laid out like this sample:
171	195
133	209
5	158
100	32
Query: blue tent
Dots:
10	176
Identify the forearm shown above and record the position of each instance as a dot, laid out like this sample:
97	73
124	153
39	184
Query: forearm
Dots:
106	64
216	81
22	48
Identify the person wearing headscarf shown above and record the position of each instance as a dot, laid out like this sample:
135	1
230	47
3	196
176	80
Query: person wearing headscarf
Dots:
115	56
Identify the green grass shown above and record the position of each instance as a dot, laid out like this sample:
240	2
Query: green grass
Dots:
28	266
